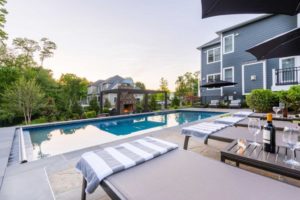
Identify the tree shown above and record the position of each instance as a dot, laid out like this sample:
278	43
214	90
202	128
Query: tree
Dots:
153	104
27	46
187	86
8	76
23	97
47	49
73	89
107	104
93	105
181	88
164	85
140	85
3	13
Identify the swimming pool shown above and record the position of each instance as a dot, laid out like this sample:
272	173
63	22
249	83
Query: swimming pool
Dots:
56	139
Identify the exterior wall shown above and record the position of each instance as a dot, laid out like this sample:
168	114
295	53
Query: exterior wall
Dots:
206	69
246	37
257	70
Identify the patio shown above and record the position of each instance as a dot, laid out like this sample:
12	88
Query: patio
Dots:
56	178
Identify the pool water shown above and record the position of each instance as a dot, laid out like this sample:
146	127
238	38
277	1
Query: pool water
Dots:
58	139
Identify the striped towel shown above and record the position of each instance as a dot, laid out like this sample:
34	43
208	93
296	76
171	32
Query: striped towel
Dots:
202	130
242	114
97	165
229	120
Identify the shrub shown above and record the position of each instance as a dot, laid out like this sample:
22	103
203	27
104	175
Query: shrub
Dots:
90	114
175	101
93	105
105	110
39	120
107	103
261	100
293	95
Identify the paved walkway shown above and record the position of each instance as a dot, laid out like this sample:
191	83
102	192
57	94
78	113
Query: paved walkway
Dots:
6	140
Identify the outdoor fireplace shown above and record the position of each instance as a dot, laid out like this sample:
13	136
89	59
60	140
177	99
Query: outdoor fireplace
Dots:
127	102
128	108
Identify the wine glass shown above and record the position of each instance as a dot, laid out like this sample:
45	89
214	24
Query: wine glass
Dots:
276	110
291	136
254	128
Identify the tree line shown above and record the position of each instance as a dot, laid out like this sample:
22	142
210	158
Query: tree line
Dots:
30	94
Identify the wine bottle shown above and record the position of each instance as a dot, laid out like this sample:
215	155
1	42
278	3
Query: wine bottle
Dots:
269	135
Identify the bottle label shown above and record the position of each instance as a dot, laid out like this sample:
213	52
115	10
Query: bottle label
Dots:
266	136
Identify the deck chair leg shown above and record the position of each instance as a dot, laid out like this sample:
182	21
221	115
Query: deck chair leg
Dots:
206	141
186	142
83	193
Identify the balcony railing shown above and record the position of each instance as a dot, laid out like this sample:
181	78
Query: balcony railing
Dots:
287	76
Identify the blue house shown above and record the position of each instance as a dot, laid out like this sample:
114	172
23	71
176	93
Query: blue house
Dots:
225	58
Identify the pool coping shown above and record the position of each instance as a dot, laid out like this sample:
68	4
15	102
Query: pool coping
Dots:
27	127
29	146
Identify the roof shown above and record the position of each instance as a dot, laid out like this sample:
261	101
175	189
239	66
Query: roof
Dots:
245	23
218	40
212	42
96	83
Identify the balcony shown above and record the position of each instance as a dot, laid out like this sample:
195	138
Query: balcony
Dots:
284	78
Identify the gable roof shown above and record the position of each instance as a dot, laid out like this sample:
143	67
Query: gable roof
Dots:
218	40
210	43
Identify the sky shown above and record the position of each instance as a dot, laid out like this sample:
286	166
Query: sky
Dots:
96	39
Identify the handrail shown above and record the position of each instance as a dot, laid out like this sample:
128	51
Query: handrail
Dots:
287	76
22	149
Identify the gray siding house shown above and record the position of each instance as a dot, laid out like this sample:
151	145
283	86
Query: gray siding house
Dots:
225	58
113	82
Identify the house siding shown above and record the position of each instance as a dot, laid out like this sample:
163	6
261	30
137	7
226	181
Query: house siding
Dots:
250	70
246	37
206	69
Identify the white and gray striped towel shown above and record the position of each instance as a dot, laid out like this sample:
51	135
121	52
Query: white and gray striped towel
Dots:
242	114
97	165
202	130
229	120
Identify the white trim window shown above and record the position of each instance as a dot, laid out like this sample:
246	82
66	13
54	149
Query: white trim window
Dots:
228	44
286	64
213	55
228	74
213	78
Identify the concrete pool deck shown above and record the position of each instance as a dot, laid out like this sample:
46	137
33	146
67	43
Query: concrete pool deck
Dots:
55	177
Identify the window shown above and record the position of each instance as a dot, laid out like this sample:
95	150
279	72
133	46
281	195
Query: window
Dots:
228	74
287	74
213	78
287	63
213	55
228	44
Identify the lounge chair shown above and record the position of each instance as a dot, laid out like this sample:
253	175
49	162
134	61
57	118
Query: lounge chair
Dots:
279	125
214	103
203	129
229	120
235	103
180	175
243	114
230	134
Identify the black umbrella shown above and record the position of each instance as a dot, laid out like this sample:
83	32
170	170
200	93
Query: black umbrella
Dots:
217	84
284	45
225	7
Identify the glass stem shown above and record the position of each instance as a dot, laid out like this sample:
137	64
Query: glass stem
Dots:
293	154
255	138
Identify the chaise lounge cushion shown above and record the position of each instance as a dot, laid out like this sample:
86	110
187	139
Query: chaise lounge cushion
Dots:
181	175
